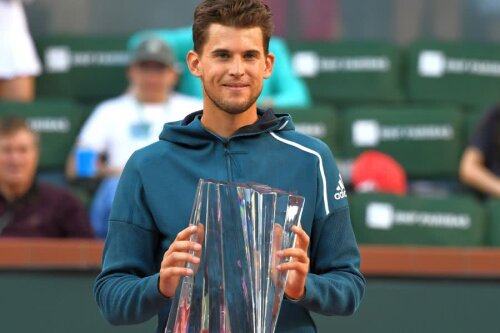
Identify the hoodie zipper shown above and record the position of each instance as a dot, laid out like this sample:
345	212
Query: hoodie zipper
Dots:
228	160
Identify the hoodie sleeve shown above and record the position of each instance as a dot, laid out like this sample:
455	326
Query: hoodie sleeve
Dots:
126	290
334	285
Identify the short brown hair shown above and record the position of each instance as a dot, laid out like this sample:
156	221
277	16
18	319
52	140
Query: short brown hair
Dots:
232	13
10	125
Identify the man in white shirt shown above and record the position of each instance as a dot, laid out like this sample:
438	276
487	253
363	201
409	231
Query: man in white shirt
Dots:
123	124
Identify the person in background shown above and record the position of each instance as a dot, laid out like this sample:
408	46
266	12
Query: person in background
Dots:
283	89
480	163
123	124
19	63
316	20
29	208
374	171
149	239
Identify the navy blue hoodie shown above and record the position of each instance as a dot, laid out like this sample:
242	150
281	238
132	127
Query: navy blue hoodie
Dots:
155	196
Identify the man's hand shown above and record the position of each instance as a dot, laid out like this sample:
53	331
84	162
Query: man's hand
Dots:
298	266
175	258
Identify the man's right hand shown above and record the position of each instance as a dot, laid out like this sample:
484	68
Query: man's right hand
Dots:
173	265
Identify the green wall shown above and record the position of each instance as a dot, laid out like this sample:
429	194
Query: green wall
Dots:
56	302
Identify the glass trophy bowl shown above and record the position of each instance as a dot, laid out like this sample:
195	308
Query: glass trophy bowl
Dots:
236	286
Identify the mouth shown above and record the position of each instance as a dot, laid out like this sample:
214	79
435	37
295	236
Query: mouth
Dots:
235	85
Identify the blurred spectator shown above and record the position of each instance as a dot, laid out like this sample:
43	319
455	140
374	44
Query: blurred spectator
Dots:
374	171
317	19
29	208
19	62
126	123
283	89
480	164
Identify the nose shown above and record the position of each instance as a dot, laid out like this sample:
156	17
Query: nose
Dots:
237	67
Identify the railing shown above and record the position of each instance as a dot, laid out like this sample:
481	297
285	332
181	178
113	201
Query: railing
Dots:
384	261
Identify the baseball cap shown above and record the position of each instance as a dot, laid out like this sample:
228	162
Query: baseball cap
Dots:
153	49
374	171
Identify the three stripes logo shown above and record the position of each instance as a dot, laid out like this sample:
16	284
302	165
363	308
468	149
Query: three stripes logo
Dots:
341	192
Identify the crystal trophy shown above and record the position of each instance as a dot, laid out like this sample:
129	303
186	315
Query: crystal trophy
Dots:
236	286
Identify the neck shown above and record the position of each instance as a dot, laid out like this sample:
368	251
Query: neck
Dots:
12	192
225	124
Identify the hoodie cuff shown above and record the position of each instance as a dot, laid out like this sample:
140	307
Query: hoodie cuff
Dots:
152	290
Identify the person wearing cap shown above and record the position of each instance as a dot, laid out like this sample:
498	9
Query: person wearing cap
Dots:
375	171
121	125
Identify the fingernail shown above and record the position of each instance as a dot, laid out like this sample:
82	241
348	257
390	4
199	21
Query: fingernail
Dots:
279	253
193	228
278	267
196	259
197	247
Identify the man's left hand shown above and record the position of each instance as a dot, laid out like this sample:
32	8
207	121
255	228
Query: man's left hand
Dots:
298	266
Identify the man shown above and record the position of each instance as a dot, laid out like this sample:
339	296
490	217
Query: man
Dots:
29	208
126	123
230	140
480	164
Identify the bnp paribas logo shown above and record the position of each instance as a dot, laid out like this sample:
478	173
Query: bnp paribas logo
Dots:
379	216
431	63
58	59
306	64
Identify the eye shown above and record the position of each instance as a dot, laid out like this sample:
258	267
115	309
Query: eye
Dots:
251	55
222	55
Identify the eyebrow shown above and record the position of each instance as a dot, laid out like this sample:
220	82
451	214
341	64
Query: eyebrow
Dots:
252	51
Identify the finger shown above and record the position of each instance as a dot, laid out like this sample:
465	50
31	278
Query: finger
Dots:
293	266
179	259
175	271
186	233
201	233
296	253
183	246
302	237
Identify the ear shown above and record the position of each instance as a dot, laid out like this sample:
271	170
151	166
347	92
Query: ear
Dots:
269	65
131	73
193	62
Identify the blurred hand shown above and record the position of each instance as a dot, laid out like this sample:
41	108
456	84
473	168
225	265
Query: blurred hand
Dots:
173	265
298	266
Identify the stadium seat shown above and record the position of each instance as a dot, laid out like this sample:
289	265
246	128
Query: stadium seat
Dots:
85	68
343	72
57	122
493	234
318	121
454	72
396	220
426	141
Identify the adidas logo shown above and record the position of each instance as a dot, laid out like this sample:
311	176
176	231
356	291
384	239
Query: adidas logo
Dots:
341	192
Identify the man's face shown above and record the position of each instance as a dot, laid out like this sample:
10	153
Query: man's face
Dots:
232	67
18	158
152	79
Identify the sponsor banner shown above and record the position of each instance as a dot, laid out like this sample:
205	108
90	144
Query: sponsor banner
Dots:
310	64
385	216
61	59
370	133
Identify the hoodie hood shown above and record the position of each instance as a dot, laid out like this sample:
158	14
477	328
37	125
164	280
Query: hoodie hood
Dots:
191	132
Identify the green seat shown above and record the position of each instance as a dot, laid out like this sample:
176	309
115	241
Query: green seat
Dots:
57	122
84	68
493	234
455	72
317	121
427	142
345	72
394	220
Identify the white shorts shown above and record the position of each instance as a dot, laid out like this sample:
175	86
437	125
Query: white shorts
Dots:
17	52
